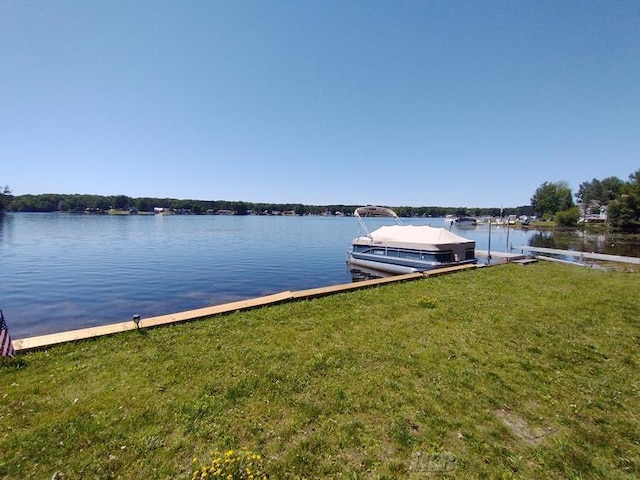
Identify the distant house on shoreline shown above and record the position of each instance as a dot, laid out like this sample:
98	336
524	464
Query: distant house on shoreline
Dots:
594	213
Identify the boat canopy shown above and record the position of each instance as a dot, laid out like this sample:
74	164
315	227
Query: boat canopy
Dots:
418	237
375	211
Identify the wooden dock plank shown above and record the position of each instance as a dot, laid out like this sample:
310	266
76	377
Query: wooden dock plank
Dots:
217	310
505	255
525	261
32	343
322	291
442	271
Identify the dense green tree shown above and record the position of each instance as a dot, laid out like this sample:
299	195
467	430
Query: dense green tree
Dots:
624	212
524	210
121	202
240	208
102	203
568	218
299	209
144	204
5	197
403	211
98	203
550	198
599	192
77	203
36	203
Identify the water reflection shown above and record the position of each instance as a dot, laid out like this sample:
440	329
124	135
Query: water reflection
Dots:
4	226
362	273
580	240
464	228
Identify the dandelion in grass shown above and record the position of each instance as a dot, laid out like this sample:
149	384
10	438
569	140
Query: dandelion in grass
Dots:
231	465
426	302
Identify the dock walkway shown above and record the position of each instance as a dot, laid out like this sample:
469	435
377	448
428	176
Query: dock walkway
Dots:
506	256
580	255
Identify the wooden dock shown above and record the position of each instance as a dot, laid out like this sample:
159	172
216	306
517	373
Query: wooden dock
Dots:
505	256
44	341
580	255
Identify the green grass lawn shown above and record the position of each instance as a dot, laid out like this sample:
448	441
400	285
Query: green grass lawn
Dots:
505	372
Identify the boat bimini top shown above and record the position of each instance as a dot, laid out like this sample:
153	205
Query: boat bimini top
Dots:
407	236
373	211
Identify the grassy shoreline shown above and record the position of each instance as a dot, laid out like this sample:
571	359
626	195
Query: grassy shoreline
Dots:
508	372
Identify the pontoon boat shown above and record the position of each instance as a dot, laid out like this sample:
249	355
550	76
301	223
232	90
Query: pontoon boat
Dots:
406	248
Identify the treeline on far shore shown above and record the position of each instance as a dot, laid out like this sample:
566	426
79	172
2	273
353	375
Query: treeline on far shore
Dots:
78	203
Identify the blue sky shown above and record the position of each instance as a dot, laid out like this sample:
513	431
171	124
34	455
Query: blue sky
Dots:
450	103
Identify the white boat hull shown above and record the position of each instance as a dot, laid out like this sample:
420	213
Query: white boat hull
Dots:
381	266
397	266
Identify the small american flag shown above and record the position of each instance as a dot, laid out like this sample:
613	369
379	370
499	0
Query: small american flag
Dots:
6	347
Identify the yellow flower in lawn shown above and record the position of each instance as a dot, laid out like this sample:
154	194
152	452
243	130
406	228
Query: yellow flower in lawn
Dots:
232	465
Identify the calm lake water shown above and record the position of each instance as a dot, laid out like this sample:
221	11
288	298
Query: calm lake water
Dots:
68	271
